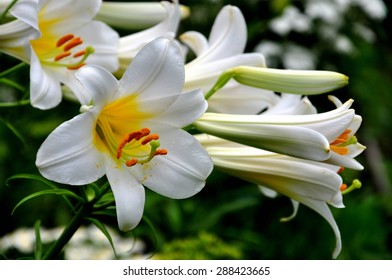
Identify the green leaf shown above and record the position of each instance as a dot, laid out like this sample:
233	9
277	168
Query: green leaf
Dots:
39	179
32	177
14	130
103	229
38	242
46	192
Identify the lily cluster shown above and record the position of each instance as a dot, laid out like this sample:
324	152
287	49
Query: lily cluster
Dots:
139	94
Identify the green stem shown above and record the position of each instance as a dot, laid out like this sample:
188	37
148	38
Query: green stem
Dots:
12	69
15	104
4	14
76	221
12	84
68	232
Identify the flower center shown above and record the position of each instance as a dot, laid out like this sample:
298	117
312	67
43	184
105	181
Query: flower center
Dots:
132	148
339	146
118	131
65	52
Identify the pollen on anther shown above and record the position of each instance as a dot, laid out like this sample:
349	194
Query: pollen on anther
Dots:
149	138
76	67
61	56
343	187
341	169
64	40
160	152
81	53
73	43
131	162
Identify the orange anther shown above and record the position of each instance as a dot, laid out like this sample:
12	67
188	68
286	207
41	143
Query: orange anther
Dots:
64	40
149	138
341	169
342	138
343	187
76	67
131	162
61	56
73	43
81	53
340	150
160	152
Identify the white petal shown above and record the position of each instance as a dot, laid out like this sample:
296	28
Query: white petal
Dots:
45	91
346	161
131	44
240	99
104	40
196	41
182	172
294	141
78	10
99	83
228	35
295	211
26	11
187	108
205	75
69	155
157	70
267	192
129	197
323	209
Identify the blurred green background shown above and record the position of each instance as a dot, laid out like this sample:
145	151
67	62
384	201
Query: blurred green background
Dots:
230	218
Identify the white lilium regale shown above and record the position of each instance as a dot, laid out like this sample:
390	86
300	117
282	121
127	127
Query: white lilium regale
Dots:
136	15
131	131
313	184
224	49
131	44
321	137
56	38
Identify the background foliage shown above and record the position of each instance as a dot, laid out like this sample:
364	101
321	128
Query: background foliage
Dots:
230	218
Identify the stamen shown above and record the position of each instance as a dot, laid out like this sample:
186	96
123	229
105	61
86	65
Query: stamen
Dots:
61	56
131	162
149	138
341	169
342	138
340	150
80	53
141	156
73	43
340	144
343	187
160	152
64	40
76	67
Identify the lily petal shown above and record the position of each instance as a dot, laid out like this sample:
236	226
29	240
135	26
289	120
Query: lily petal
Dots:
189	105
69	156
129	197
284	139
182	172
98	82
156	72
45	91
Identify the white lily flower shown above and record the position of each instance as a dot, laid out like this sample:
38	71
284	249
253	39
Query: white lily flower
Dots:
130	45
320	137
135	15
131	131
313	184
223	49
57	38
